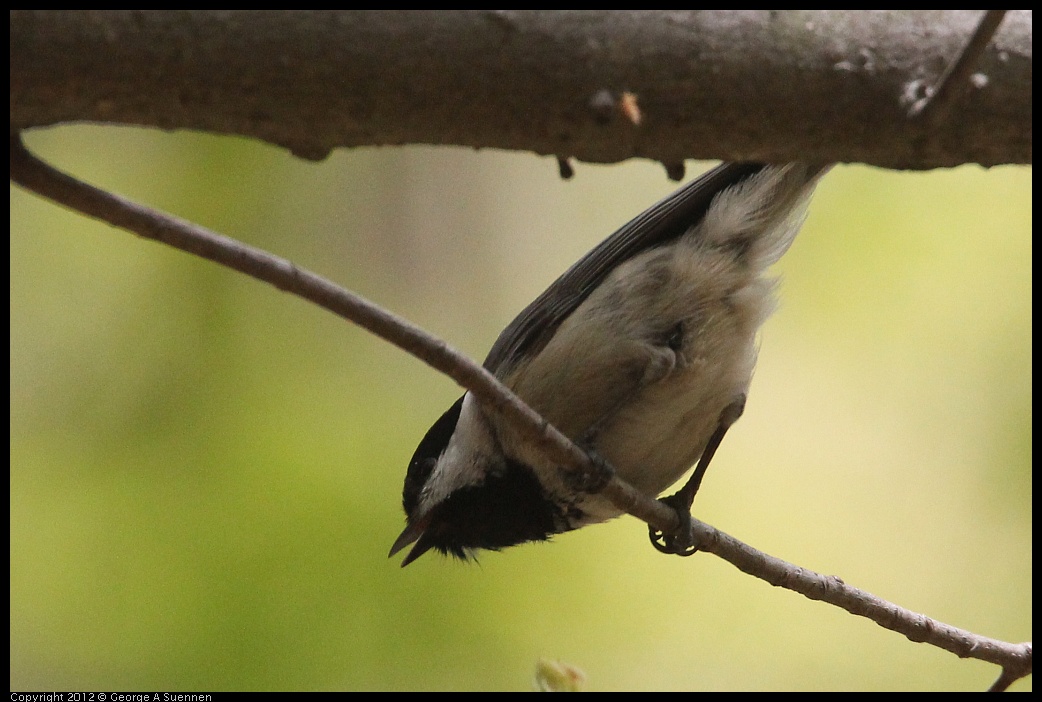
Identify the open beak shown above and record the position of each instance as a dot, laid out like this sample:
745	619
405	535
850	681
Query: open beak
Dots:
414	532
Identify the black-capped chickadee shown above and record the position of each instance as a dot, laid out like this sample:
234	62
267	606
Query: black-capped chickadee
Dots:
642	352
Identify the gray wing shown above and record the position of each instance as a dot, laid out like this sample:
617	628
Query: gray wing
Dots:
659	224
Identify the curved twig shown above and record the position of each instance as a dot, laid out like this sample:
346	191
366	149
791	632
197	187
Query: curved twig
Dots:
41	178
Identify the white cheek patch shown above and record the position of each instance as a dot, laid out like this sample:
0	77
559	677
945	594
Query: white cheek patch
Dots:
467	458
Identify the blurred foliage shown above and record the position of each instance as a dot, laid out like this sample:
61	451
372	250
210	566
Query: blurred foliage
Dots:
558	676
206	473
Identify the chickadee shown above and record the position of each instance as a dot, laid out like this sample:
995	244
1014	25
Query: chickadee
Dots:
642	353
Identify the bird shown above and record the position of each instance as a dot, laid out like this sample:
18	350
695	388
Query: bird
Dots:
642	353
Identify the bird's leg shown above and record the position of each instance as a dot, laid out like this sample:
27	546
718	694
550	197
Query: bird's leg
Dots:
680	542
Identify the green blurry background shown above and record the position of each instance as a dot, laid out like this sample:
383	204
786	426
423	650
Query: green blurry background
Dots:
206	472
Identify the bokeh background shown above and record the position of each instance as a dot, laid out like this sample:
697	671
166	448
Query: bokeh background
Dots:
206	472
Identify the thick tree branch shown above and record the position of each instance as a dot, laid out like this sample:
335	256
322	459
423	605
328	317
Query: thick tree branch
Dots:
736	85
38	177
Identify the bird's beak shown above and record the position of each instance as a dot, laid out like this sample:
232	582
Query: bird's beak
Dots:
414	532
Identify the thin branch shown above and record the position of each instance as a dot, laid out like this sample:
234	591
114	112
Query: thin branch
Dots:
1005	679
39	177
953	83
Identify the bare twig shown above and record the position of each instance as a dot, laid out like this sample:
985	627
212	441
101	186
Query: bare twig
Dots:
1008	677
39	177
952	84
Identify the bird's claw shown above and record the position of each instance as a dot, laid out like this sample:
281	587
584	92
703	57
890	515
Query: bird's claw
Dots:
679	542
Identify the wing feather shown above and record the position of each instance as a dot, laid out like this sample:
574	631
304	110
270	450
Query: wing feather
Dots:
659	224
